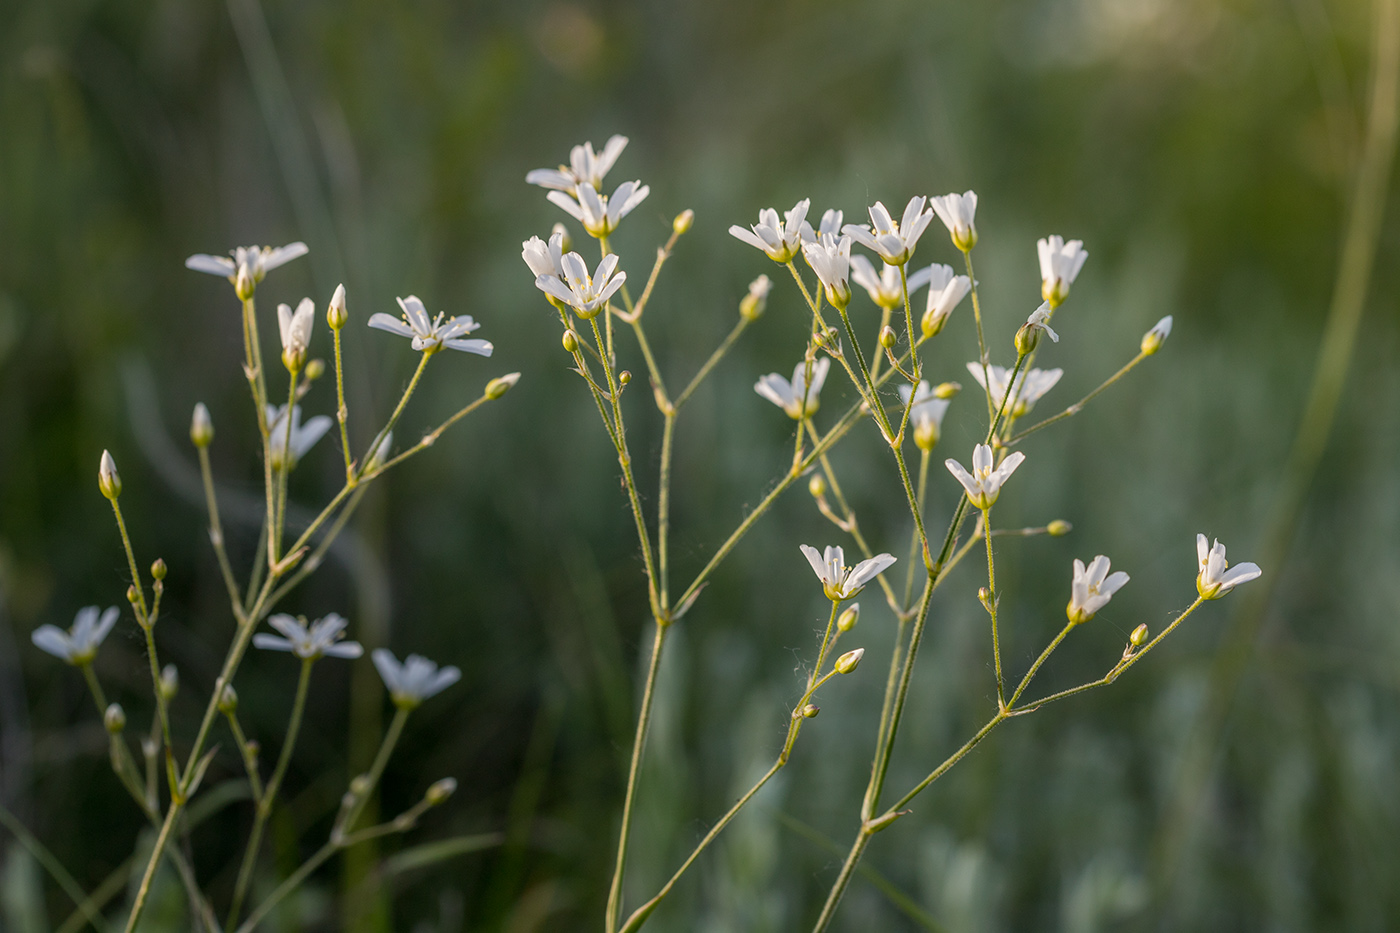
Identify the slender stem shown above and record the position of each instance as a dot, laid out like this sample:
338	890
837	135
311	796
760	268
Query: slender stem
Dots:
908	321
981	343
280	516
833	899
992	602
849	524
245	751
879	357
826	643
293	882
663	507
376	771
398	409
1079	405
653	370
342	413
1030	674
714	359
98	696
55	868
140	604
614	908
952	759
914	533
143	891
250	317
216	533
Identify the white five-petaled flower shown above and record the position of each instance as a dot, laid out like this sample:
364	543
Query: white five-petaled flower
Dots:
1030	386
320	639
780	239
893	242
295	330
544	258
584	293
1214	580
1092	588
883	286
585	167
254	261
983	484
789	395
830	259
839	581
1060	263
945	292
601	213
431	334
830	223
303	436
959	214
79	644
926	413
413	681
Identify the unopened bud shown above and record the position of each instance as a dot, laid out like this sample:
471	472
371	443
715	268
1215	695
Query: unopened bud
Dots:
440	791
946	390
1059	528
501	385
314	370
1152	340
848	618
810	711
158	569
114	719
570	341
228	700
253	746
888	338
336	315
754	303
568	242
133	594
201	427
926	434
984	596
1027	339
931	324
360	785
817	485
243	283
107	478
624	377
1139	636
848	661
169	682
683	221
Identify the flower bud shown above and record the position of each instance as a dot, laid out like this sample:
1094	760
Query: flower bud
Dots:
228	700
848	661
984	596
501	385
817	485
440	791
683	221
1027	339
158	569
360	785
754	303
946	390
314	370
169	682
1059	528
243	283
567	243
201	427
624	377
1152	340
253	746
114	719
1139	636
133	595
107	479
570	341
810	711
888	338
336	315
931	324
847	619
926	434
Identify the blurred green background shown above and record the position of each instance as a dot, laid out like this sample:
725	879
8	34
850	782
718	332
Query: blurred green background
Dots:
1205	153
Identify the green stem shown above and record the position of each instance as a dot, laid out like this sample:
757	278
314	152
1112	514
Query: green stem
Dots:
710	364
981	342
1079	405
54	867
398	409
992	602
342	413
216	533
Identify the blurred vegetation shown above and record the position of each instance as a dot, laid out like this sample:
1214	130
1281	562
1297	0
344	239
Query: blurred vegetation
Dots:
1204	151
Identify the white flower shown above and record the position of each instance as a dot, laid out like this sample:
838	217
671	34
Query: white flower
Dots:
983	484
830	223
830	259
413	681
585	167
303	437
1060	263
1039	320
431	334
1030	386
254	261
1152	340
1214	580
945	292
788	395
321	639
542	258
599	213
79	644
295	330
839	581
893	242
779	239
883	286
959	214
1092	588
926	413
586	294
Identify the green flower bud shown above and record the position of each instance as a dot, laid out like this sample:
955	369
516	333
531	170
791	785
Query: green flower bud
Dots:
810	711
201	427
169	682
946	390
848	661
440	791
1139	636
315	370
1058	528
570	341
501	385
683	221
114	719
888	338
336	315
848	618
1152	340
228	700
817	485
107	478
158	569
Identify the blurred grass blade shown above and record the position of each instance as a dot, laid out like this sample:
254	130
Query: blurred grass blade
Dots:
431	853
53	866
